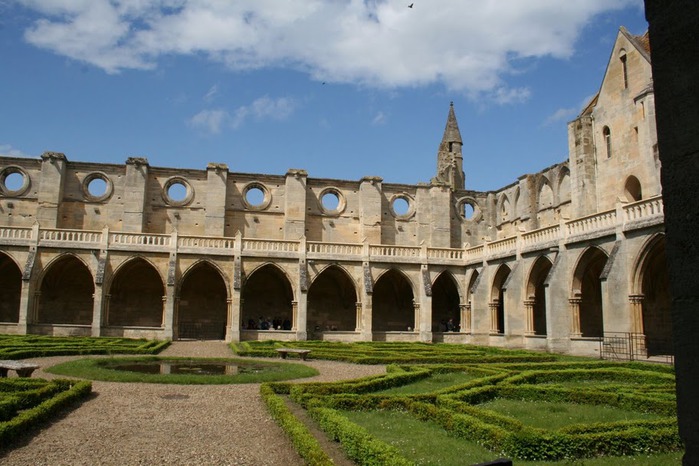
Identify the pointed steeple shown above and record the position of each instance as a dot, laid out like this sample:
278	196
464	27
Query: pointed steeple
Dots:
451	132
449	157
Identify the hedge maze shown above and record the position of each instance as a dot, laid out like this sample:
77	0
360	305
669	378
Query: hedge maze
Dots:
26	403
645	392
36	346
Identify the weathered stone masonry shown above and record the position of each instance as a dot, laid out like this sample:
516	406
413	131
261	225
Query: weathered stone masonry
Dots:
554	261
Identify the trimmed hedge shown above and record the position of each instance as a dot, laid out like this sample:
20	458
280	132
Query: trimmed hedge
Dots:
357	443
306	445
33	346
64	394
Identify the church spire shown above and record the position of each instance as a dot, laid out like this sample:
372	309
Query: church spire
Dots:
449	157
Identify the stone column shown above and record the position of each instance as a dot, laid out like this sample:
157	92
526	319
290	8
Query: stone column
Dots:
302	317
135	186
575	317
529	309
358	317
493	306
24	307
234	321
216	180
295	205
416	327
97	311
294	315
465	318
637	313
105	317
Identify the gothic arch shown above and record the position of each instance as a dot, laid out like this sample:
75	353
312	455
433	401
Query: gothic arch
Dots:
136	295
536	296
202	309
332	301
587	291
497	300
268	295
544	194
67	288
564	195
445	303
503	209
652	288
393	305
10	289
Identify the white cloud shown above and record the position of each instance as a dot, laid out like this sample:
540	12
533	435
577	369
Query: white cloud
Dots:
465	45
211	93
264	108
210	121
6	150
562	114
379	119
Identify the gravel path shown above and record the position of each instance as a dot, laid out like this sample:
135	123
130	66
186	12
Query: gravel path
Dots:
158	424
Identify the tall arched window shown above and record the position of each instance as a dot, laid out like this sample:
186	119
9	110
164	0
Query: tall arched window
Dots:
624	70
607	140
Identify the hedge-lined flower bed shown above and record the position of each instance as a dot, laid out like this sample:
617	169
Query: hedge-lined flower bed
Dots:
26	403
632	387
36	346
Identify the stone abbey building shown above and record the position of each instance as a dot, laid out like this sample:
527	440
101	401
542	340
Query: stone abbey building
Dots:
560	260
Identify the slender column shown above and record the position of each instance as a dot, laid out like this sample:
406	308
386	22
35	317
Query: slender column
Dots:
97	311
416	326
575	317
358	317
34	313
24	307
529	307
169	312
465	320
234	321
637	313
493	306
294	315
107	299
301	317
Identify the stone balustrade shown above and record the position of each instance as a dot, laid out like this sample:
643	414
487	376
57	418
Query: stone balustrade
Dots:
628	216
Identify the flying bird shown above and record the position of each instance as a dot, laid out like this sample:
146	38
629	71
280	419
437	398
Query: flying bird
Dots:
411	5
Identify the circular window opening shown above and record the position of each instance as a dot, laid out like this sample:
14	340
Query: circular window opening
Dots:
97	187
330	200
14	181
255	196
467	211
177	191
401	206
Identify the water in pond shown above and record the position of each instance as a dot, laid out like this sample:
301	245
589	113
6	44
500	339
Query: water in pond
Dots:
190	367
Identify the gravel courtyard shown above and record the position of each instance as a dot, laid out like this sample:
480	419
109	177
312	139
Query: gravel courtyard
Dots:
158	424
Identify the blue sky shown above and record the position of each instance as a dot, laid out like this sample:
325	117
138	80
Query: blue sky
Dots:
340	88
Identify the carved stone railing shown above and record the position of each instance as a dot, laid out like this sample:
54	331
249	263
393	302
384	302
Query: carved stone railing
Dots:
602	221
643	210
334	249
639	214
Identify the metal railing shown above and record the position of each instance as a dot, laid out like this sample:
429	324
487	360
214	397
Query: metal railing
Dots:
627	346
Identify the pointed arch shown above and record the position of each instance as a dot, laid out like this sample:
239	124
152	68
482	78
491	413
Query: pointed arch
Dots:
393	305
445	304
651	283
564	195
497	300
67	288
536	295
544	194
332	301
587	288
504	208
10	289
268	298
202	310
136	295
